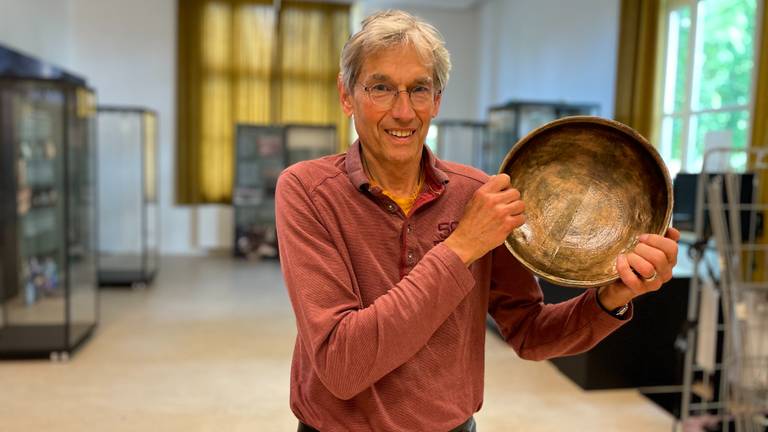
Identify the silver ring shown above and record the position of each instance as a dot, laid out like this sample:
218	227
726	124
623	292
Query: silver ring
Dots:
652	278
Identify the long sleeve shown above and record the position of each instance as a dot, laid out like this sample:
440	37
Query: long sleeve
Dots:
539	331
351	346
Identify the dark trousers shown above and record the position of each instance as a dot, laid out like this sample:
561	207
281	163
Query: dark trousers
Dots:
467	426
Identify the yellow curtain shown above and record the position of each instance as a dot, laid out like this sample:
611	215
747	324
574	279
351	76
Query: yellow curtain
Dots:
311	40
760	124
636	66
243	61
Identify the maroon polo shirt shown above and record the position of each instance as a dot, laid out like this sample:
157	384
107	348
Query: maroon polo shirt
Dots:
391	323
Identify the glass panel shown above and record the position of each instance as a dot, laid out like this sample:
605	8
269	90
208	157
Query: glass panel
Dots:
36	133
462	143
120	193
503	135
676	68
261	157
533	116
713	130
309	142
82	214
671	130
724	53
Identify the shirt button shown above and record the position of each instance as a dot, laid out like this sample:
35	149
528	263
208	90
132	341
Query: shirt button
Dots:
391	207
410	257
410	228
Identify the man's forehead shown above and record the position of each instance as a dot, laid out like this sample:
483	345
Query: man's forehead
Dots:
377	76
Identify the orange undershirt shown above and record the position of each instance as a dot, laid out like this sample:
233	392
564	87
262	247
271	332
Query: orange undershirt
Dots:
405	203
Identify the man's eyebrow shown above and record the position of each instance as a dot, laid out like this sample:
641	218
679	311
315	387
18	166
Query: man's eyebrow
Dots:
380	77
418	81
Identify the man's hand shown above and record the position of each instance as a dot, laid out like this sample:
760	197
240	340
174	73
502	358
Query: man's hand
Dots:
493	212
643	270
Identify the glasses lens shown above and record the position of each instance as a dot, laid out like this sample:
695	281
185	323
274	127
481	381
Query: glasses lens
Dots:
421	97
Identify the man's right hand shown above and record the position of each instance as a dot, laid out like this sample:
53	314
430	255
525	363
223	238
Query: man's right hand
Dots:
493	212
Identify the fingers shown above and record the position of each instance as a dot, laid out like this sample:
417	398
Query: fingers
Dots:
643	267
673	233
665	244
630	279
496	183
658	258
637	274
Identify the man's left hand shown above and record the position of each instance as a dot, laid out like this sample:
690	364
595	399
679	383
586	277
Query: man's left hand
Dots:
646	268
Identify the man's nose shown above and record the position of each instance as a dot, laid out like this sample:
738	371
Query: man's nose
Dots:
402	109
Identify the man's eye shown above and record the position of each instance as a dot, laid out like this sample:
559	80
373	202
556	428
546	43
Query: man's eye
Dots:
381	88
421	90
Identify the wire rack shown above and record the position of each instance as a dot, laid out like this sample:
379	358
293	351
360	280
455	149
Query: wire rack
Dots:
725	381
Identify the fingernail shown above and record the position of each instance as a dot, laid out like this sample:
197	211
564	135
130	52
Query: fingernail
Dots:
642	237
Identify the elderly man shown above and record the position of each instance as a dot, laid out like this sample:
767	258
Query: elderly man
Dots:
392	258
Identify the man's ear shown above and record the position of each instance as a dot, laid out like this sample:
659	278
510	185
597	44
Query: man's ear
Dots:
436	107
345	97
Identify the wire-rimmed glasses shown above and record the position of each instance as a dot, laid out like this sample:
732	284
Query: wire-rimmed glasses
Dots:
385	95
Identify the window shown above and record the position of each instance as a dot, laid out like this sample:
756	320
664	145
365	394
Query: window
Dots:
707	79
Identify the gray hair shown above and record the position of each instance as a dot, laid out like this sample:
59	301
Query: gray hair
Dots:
386	29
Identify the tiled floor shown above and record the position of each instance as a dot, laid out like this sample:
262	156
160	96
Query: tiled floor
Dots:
208	346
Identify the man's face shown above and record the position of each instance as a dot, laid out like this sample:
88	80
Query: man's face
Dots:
396	134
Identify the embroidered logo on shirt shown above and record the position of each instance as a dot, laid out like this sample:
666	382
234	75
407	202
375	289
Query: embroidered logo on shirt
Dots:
444	229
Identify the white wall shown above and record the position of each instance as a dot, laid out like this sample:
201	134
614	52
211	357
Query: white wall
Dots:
501	50
37	28
127	51
548	50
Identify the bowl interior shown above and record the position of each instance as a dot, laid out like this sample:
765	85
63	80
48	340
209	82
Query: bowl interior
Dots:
590	188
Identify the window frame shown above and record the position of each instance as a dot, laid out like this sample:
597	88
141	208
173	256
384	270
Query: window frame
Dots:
687	113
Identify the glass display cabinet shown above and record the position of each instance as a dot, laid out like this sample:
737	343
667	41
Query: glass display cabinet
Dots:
128	203
305	142
460	141
261	157
262	154
510	122
48	295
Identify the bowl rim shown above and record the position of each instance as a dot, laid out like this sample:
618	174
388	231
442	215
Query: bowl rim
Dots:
573	283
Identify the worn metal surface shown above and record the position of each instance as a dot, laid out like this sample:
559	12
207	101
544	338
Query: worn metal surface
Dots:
590	186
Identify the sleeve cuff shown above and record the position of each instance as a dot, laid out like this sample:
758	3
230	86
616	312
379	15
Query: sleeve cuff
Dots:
604	316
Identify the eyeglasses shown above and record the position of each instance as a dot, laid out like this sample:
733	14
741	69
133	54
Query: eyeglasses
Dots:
385	95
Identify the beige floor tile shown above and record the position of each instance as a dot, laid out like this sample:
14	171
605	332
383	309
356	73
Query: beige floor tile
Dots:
208	346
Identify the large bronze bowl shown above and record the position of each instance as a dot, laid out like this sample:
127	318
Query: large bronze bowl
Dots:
590	187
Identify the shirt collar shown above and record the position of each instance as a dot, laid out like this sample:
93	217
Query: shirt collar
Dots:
354	163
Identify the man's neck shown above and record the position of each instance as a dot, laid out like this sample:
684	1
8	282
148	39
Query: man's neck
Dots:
399	179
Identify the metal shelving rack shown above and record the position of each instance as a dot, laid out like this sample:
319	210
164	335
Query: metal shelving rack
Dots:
725	381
